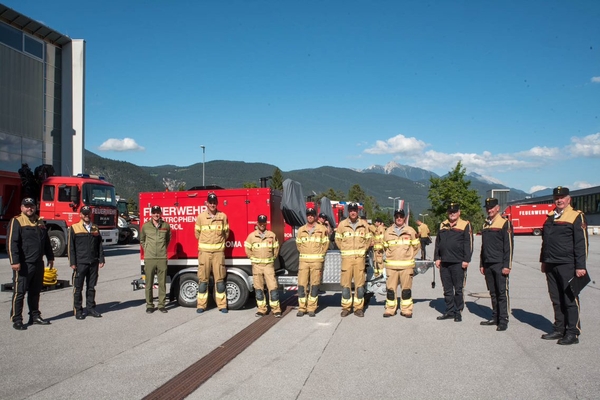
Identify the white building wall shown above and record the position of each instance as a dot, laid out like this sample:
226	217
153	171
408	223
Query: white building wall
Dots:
73	115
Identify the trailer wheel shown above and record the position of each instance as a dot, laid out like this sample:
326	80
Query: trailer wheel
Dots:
187	295
57	242
537	232
289	257
237	292
135	232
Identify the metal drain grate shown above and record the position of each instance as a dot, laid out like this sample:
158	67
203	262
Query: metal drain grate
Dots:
184	383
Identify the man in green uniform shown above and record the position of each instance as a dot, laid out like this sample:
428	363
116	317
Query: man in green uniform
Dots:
155	236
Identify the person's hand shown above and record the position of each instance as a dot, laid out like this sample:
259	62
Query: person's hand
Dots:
505	271
580	272
51	264
465	265
15	267
543	268
482	270
438	263
73	267
101	265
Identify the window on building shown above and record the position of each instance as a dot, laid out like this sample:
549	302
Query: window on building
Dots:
34	47
11	37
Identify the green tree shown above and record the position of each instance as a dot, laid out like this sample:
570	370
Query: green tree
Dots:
331	194
277	179
356	194
454	188
249	185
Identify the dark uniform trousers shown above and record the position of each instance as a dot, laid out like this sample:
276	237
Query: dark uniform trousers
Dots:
29	278
566	306
453	280
497	284
83	273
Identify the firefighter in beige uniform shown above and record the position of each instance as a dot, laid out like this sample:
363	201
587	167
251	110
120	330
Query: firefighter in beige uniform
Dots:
353	238
401	245
312	242
262	248
378	246
212	230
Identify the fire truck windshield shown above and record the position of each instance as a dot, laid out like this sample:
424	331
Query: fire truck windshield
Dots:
98	195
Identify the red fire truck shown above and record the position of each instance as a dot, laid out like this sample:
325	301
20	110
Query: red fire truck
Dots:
59	201
528	218
242	206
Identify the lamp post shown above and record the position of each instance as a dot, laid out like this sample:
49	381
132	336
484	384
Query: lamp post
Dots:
423	215
203	162
394	202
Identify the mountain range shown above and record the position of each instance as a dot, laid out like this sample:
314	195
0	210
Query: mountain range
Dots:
382	182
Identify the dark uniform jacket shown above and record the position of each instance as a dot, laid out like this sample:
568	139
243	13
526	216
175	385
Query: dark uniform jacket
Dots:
565	239
454	244
497	240
28	240
155	240
85	247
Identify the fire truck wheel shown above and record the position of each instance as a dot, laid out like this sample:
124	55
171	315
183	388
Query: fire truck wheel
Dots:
57	240
537	232
124	236
135	232
289	256
187	295
237	292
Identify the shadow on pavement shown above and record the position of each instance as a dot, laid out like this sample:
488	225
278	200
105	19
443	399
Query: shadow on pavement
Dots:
438	304
116	306
483	312
118	250
535	320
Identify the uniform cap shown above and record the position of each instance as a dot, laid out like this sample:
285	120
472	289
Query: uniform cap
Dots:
310	211
156	209
491	202
378	219
85	210
28	201
560	191
453	207
322	215
212	198
399	213
262	219
353	207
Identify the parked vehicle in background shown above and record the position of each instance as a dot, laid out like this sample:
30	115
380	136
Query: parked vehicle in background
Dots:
59	199
528	219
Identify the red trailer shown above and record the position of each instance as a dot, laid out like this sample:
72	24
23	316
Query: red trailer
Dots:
528	218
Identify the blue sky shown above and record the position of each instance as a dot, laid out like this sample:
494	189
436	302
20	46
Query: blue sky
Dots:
510	88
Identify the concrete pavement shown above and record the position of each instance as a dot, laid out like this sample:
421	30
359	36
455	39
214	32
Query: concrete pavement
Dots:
128	353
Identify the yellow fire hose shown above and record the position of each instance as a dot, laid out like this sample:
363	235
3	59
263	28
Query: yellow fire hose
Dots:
50	276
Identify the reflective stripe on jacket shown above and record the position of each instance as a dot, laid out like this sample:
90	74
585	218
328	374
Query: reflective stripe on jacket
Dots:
262	248
211	231
400	249
353	242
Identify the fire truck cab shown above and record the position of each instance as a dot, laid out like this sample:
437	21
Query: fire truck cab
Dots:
59	201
